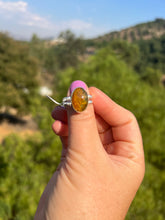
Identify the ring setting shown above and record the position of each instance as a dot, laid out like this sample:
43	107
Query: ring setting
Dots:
79	100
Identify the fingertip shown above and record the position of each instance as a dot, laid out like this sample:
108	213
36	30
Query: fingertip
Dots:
109	110
60	128
56	127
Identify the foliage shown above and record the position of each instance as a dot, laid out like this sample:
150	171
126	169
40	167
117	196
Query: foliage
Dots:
130	53
146	57
152	76
152	53
18	73
37	49
27	165
65	54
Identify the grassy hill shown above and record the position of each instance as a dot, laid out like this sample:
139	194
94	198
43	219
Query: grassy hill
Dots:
144	43
143	31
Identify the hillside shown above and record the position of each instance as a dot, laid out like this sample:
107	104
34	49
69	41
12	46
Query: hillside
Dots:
143	31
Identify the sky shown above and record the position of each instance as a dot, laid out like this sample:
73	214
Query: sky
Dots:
89	18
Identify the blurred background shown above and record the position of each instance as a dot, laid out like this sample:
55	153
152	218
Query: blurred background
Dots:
118	47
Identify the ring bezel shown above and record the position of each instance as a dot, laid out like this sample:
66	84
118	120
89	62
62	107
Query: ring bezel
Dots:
86	100
68	101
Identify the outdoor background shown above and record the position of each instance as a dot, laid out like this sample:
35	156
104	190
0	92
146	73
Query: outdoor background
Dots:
118	47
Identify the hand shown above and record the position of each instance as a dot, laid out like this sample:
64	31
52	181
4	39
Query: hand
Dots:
102	163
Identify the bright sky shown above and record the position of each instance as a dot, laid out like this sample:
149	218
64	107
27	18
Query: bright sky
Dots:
87	17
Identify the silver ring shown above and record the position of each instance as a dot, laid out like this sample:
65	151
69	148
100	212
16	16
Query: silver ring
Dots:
79	100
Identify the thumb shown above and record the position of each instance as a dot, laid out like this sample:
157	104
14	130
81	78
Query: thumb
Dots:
83	133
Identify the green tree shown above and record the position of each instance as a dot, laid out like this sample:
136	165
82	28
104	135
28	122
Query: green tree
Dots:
152	53
152	76
126	51
26	167
18	72
37	49
67	53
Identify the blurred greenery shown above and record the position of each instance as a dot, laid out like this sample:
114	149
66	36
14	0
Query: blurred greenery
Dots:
26	164
18	71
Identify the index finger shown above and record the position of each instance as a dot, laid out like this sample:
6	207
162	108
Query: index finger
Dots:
123	122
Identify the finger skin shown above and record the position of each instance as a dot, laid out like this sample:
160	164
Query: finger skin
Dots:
124	124
60	128
111	112
60	114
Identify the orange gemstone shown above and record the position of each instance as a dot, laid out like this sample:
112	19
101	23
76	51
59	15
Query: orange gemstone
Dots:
79	99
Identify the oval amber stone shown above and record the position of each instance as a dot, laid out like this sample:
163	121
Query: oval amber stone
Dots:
79	99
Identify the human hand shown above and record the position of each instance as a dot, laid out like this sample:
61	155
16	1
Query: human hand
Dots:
102	163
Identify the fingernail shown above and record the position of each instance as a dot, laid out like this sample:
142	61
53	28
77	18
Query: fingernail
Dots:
77	83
